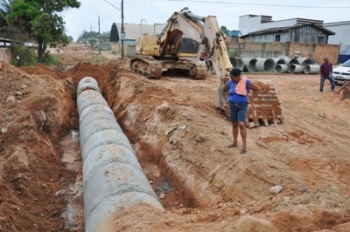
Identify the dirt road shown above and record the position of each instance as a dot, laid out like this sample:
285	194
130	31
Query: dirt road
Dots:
181	140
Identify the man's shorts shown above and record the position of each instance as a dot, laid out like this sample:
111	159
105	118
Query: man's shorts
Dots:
238	112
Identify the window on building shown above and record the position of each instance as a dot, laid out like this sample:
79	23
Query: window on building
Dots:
320	40
296	37
277	38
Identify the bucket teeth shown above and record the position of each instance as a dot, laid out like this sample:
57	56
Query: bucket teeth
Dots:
265	108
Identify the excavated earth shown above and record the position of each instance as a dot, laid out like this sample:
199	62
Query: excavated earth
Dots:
181	141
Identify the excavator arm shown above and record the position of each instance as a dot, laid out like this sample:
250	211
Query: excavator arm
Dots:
204	30
177	26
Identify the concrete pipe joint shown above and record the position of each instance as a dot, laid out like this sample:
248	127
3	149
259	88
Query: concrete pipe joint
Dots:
112	177
295	68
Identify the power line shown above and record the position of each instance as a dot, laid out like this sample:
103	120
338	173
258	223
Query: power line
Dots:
260	4
228	3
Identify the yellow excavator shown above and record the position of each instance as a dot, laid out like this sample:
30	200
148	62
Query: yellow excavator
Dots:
156	54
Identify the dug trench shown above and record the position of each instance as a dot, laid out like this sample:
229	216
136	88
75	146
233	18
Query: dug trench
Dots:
180	140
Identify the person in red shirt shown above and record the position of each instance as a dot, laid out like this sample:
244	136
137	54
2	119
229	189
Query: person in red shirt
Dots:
326	70
203	56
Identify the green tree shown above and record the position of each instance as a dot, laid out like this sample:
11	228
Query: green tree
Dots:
92	41
41	20
7	30
5	9
114	36
225	30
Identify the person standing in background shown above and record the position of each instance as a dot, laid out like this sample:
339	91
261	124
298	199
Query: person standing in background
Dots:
326	70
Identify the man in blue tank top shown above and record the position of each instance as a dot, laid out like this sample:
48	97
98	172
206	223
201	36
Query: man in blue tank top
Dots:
235	93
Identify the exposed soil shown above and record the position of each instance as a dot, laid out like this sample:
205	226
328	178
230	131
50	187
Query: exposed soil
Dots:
180	139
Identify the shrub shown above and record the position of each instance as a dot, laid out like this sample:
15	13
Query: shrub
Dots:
23	55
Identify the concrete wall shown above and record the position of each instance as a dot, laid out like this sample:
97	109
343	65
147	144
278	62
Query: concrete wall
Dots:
5	55
268	50
329	50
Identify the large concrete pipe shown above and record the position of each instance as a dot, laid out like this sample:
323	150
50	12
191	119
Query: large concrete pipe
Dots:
112	176
265	64
237	63
250	63
246	64
305	61
294	61
301	61
311	69
281	68
295	68
282	60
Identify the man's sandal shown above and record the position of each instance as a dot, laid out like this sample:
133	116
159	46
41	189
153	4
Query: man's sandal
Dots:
243	151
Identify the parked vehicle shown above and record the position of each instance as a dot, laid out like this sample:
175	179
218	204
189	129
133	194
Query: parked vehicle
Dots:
342	72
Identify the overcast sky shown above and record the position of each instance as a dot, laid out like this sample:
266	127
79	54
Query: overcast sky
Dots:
226	11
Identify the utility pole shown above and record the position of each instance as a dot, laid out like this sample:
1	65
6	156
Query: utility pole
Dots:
99	35
123	29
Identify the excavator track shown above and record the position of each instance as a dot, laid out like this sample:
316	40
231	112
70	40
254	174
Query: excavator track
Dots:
265	108
153	68
201	71
150	68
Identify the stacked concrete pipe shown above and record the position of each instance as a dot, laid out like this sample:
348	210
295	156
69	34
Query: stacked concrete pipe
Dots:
295	68
281	68
282	60
237	63
250	64
265	64
112	176
305	61
311	69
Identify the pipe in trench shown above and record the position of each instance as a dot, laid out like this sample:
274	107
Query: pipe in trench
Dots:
112	176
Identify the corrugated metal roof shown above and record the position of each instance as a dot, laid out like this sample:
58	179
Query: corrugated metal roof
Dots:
5	40
284	29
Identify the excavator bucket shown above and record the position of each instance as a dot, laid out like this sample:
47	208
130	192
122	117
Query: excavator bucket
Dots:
265	108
